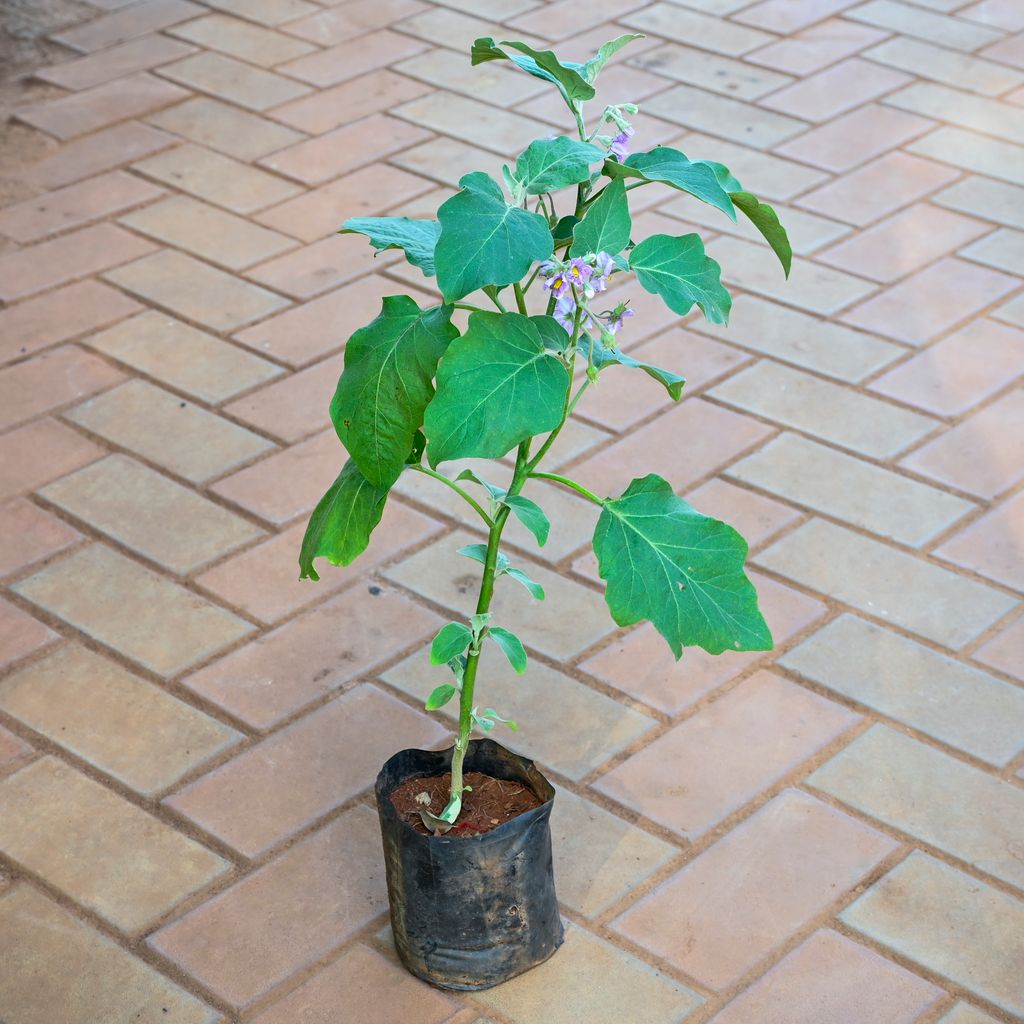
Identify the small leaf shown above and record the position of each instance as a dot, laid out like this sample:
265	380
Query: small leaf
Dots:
440	696
532	516
665	562
607	223
602	355
451	640
435	824
511	645
339	528
478	621
458	667
417	238
766	220
484	240
675	169
593	66
487	724
539	63
680	272
478	552
547	165
520	577
497	493
490	712
562	231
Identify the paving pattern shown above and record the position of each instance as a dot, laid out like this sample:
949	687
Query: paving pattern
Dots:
831	833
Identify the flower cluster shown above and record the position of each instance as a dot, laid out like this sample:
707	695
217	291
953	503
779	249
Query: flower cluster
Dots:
619	146
574	282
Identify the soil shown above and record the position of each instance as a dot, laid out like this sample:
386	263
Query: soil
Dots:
490	803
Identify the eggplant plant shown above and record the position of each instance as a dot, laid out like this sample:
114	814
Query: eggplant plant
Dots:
416	393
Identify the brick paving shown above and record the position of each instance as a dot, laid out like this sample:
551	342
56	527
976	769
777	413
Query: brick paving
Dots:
830	833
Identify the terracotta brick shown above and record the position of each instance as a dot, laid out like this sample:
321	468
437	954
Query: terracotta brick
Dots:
74	205
314	655
490	82
130	23
50	380
187	359
786	16
166	628
1003	249
59	968
263	581
183	438
964	1014
224	128
305	770
829	977
997	13
714	763
141	54
1005	651
111	718
47	264
353	57
973	152
715	34
334	25
898	17
36	453
285	916
447	160
234	81
989	546
242	39
710	71
102	105
816	47
12	749
942	65
878	188
138	868
196	290
374	138
29	534
265	12
20	634
836	90
72	310
740	899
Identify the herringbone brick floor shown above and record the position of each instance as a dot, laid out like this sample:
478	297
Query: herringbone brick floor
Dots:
832	834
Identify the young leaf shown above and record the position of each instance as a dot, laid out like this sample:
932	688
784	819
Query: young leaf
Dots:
496	386
678	270
440	696
339	528
607	223
724	175
602	355
593	67
673	168
511	645
484	240
387	383
495	717
540	63
683	571
552	333
452	639
416	237
532	516
520	577
547	165
766	220
497	493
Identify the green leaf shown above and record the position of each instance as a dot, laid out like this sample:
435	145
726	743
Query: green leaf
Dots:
484	240
683	571
452	639
496	386
387	383
511	645
520	577
766	220
532	516
724	175
339	528
478	552
497	493
547	165
417	238
678	270
543	64
607	223
552	333
673	168
562	231
593	66
495	717
605	355
440	696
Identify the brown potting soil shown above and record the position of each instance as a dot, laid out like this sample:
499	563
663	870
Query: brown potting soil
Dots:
490	803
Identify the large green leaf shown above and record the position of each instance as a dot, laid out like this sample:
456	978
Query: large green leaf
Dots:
607	224
602	355
569	78
484	240
665	562
387	383
725	177
678	270
496	386
547	165
339	528
417	238
766	220
673	168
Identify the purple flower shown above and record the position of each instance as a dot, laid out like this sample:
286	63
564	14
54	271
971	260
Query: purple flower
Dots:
565	312
617	316
619	147
579	271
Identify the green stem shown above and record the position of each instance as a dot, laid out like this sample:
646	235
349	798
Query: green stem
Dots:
457	489
469	306
566	482
494	298
520	298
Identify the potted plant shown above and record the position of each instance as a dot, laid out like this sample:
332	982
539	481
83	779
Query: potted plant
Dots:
466	830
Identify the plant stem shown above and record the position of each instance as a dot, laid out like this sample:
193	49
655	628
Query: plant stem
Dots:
457	489
520	298
494	298
565	481
469	306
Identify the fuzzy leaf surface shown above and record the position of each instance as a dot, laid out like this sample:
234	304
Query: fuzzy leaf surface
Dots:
766	220
677	269
547	165
416	238
607	223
